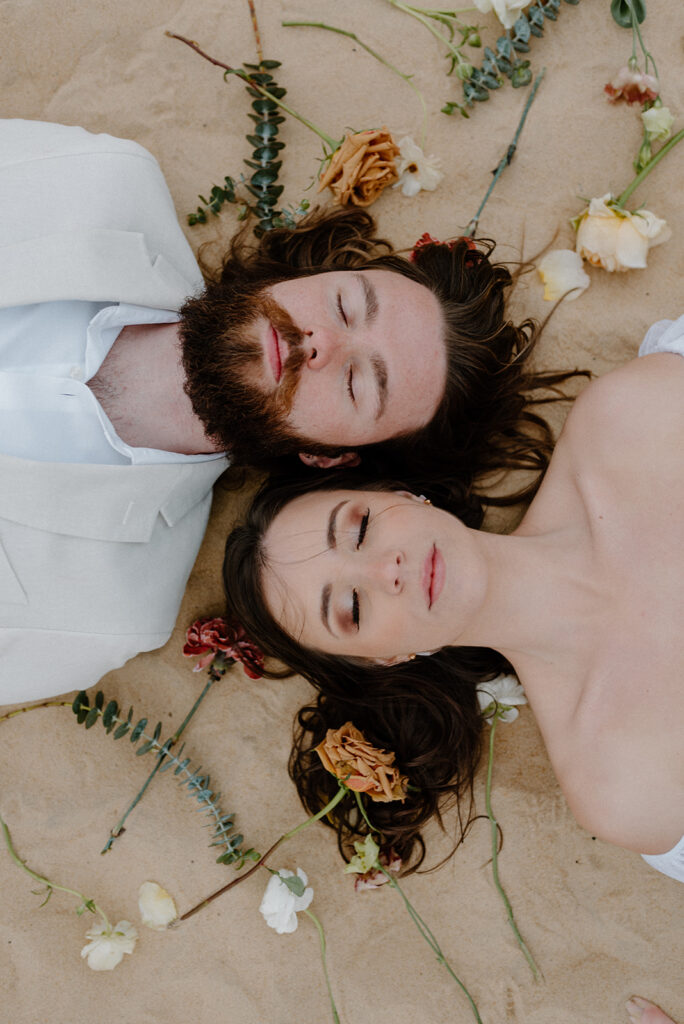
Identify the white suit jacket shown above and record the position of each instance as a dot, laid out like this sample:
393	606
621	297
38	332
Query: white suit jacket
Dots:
93	558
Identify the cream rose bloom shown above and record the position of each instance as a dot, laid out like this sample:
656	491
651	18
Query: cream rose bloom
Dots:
563	274
107	945
658	123
157	908
507	11
617	239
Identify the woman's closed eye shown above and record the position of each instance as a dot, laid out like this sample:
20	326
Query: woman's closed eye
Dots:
362	528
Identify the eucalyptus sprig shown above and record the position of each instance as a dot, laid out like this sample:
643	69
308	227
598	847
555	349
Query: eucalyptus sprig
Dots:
197	784
503	62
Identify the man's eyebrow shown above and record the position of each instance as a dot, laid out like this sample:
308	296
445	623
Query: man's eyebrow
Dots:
370	296
380	370
331	538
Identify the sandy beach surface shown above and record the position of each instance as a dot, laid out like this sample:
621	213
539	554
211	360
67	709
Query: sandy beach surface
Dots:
601	923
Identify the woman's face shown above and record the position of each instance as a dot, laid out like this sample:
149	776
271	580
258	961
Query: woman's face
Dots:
371	574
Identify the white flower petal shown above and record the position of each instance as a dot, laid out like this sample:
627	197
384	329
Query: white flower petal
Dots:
658	122
106	948
157	908
279	905
562	271
504	691
507	11
416	171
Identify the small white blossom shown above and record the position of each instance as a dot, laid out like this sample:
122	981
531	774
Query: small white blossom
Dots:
503	692
617	239
507	11
157	909
416	171
562	273
365	858
280	906
108	945
658	123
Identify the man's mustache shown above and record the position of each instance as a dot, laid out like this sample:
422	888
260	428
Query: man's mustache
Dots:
296	351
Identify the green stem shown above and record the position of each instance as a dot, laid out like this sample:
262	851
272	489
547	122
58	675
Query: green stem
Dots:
620	202
637	31
333	144
373	53
341	793
46	881
495	854
425	20
34	707
507	157
116	831
321	936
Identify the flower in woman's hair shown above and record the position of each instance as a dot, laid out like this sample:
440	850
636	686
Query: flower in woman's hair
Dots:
281	904
157	908
427	239
633	86
208	637
500	697
507	11
361	168
615	239
365	858
108	944
562	273
346	754
374	877
416	171
658	123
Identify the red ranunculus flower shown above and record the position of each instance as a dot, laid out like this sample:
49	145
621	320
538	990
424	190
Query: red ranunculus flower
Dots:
427	239
633	86
209	636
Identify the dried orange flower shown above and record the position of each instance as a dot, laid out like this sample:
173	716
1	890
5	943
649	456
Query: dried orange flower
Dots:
361	168
346	754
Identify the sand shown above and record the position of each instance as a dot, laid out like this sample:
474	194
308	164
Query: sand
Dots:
601	923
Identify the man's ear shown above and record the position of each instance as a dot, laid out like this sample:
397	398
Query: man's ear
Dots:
325	462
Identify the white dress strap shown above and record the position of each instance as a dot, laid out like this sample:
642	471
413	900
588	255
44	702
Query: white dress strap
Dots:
670	863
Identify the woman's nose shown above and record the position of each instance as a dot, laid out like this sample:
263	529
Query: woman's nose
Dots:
322	345
387	571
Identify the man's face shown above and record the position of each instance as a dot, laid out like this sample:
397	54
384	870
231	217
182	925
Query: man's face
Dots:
371	362
337	359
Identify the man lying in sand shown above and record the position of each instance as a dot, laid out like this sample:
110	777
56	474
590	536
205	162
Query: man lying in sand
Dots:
124	381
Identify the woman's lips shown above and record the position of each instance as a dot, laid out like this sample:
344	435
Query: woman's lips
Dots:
433	575
274	349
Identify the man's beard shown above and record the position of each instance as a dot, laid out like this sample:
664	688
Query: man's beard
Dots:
220	346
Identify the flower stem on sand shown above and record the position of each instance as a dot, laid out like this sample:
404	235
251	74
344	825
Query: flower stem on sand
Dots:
321	936
341	793
420	923
495	855
34	707
622	199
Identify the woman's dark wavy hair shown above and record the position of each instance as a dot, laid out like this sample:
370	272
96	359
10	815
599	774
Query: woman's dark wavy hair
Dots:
488	419
425	710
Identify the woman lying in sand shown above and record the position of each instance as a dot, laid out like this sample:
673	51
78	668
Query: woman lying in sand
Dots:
582	601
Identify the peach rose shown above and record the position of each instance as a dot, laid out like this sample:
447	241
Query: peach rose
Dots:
348	756
361	168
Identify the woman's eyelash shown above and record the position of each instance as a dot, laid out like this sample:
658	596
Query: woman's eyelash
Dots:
363	528
355	608
340	310
350	383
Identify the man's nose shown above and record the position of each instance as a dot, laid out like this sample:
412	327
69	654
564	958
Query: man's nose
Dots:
387	571
323	345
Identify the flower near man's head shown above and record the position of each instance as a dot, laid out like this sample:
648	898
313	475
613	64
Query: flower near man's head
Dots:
348	756
361	168
633	86
207	637
157	908
281	904
615	239
507	11
562	274
500	697
416	171
108	944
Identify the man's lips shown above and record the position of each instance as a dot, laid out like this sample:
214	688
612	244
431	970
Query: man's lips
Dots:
277	349
433	575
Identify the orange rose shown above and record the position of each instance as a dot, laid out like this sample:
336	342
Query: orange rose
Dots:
361	168
365	769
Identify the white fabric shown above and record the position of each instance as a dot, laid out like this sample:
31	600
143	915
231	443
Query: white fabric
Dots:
48	353
93	558
666	336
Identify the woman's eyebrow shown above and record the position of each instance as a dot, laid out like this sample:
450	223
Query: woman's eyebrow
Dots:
332	521
325	605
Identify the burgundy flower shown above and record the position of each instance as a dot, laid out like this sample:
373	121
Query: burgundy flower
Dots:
208	637
373	879
427	239
632	86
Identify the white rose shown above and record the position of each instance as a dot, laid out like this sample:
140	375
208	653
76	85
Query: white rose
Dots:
157	909
658	123
280	906
504	691
416	171
617	239
507	11
562	273
108	945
